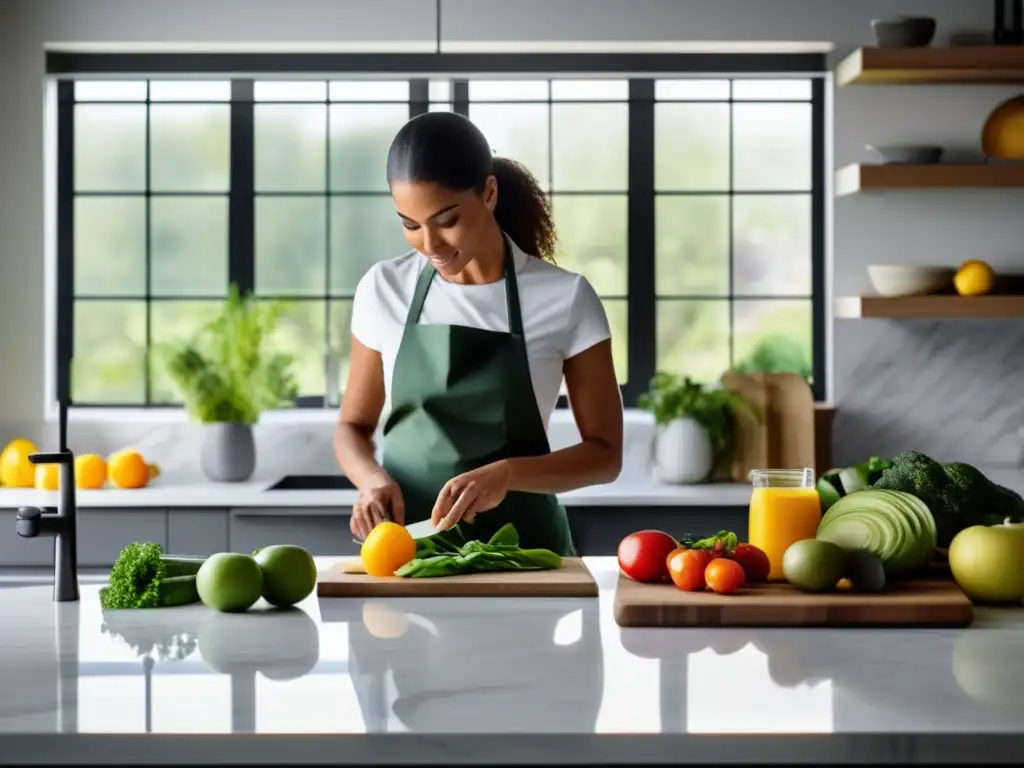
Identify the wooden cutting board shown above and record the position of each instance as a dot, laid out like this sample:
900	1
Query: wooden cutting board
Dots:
929	602
348	579
784	438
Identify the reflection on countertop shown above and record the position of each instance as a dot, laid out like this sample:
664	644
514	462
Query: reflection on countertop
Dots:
488	667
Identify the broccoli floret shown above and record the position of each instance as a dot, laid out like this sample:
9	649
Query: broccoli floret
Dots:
144	577
957	494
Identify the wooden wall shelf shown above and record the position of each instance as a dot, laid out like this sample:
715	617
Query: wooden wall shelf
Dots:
910	66
930	307
866	177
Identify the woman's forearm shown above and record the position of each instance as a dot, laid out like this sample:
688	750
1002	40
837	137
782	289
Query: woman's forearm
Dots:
353	447
591	462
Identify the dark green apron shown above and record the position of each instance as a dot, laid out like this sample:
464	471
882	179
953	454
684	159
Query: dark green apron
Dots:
461	398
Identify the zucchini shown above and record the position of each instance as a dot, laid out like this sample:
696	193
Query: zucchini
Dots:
181	565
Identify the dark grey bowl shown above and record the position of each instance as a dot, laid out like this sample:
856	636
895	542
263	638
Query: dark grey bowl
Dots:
918	154
903	31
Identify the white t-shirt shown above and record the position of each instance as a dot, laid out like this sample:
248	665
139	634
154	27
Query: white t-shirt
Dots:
562	315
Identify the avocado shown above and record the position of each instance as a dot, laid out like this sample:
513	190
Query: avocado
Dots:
864	570
813	565
830	490
894	525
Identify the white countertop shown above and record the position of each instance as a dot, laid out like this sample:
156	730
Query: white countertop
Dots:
491	680
170	492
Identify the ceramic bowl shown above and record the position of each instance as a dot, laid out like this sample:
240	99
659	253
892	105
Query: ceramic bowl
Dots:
905	280
903	31
918	154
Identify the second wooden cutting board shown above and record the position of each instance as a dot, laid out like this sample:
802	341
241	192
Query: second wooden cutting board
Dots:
928	602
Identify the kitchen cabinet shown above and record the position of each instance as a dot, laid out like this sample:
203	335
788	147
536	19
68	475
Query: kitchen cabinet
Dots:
198	532
318	534
103	533
598	530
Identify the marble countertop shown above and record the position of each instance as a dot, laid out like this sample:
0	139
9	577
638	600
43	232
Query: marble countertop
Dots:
503	680
188	491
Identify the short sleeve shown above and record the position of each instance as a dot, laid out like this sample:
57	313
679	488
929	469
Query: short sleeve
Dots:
588	320
366	306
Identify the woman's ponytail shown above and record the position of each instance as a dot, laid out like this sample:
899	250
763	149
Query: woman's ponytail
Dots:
523	210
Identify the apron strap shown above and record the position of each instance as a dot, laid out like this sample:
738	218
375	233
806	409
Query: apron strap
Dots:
515	315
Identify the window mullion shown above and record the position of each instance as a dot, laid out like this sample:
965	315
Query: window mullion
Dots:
641	309
65	330
242	196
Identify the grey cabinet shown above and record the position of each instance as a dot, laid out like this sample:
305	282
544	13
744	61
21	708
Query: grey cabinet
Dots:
198	532
319	534
598	530
103	533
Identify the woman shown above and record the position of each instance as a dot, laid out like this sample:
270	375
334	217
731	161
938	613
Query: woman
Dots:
463	344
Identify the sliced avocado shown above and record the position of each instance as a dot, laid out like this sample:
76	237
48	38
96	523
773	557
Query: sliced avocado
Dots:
894	525
813	565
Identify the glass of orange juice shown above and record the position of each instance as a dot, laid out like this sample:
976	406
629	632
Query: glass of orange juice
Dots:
784	508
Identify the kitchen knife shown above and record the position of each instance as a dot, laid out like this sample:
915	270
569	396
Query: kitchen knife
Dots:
418	530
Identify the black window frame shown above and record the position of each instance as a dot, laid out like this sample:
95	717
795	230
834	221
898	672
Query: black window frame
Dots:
640	69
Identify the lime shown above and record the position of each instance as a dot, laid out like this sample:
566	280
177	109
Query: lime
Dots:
229	581
289	574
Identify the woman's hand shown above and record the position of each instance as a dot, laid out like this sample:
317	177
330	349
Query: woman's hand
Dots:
470	493
374	502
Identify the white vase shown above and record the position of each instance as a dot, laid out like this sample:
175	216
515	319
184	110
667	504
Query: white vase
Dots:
682	452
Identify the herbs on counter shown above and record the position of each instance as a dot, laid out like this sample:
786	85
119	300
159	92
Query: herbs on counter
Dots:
448	554
144	577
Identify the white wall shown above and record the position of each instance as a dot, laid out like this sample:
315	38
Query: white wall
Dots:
931	228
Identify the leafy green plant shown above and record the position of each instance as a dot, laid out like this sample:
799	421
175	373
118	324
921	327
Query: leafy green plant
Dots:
777	353
672	397
224	372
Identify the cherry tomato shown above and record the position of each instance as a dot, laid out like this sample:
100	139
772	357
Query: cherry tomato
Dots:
754	561
724	576
686	567
643	555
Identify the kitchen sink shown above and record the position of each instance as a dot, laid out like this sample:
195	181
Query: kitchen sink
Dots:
313	483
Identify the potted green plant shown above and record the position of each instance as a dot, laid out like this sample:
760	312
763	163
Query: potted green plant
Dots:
695	425
227	377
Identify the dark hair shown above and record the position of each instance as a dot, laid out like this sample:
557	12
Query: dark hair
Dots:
447	149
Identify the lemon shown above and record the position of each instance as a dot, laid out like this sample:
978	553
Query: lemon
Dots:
48	477
16	471
974	278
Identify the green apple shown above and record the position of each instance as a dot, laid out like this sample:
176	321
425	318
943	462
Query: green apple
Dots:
987	562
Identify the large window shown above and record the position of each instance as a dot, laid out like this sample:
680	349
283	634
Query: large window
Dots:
692	201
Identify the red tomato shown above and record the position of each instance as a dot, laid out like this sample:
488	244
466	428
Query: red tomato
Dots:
754	561
686	567
643	555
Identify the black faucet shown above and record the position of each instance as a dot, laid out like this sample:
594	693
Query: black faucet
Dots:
62	522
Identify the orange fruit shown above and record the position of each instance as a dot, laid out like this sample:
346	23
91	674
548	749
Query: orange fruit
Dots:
90	471
127	469
388	547
48	477
16	471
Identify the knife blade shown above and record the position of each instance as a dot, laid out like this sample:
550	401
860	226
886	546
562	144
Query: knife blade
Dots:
418	530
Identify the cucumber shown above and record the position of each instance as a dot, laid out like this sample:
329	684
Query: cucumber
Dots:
894	525
181	565
178	590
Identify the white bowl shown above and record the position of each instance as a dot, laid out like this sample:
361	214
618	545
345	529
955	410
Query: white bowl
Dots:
905	280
